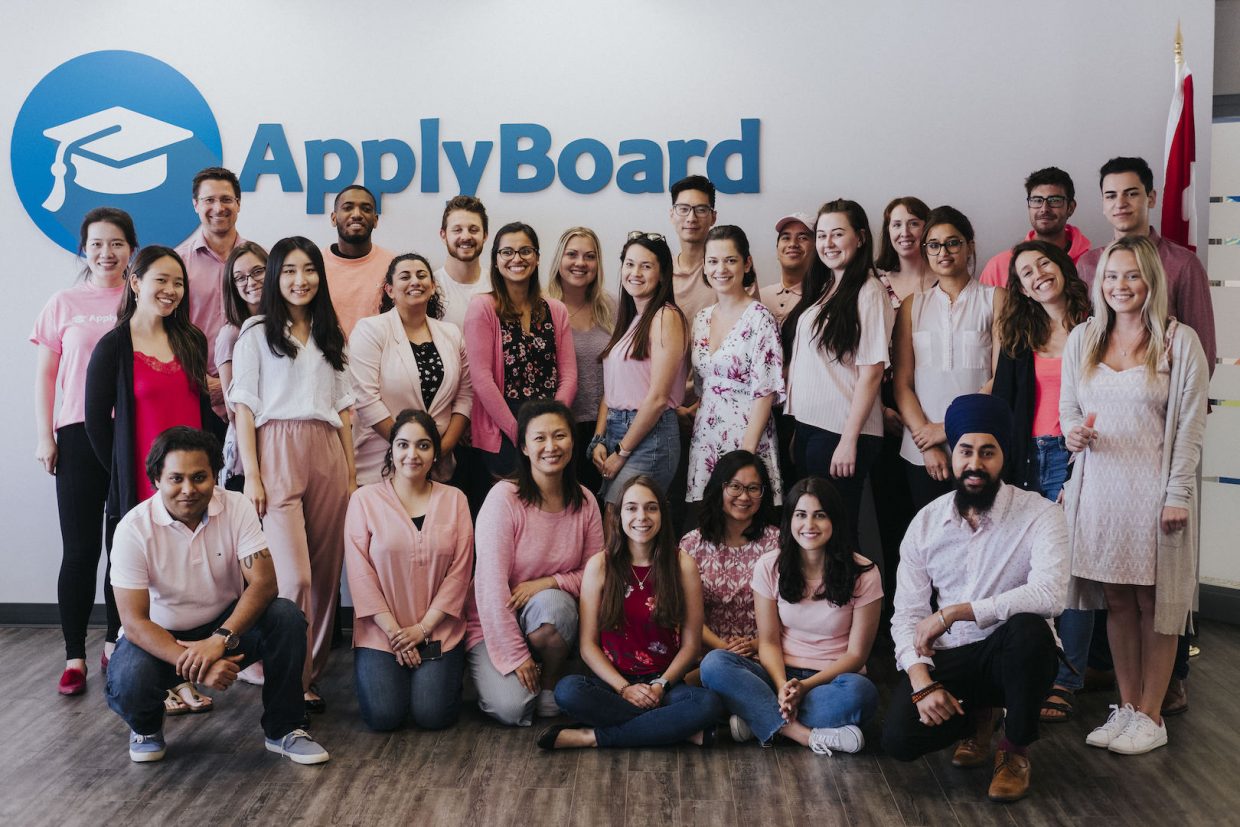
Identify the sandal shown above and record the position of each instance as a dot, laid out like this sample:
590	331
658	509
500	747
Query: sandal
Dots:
174	705
193	700
1056	712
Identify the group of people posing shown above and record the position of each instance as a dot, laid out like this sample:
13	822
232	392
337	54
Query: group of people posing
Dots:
465	444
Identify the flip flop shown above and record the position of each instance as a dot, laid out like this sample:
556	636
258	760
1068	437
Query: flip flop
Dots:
174	705
1066	707
193	700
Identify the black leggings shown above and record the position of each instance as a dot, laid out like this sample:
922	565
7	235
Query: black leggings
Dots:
81	491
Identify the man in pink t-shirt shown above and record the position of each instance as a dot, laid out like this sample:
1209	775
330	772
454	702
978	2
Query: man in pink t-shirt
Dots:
356	266
1051	199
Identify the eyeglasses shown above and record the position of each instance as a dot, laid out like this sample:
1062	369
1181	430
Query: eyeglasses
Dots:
647	236
1056	201
735	489
256	274
951	244
506	253
700	210
222	200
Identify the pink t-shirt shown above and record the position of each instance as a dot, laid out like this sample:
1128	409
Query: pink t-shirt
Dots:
815	632
356	284
71	324
1046	372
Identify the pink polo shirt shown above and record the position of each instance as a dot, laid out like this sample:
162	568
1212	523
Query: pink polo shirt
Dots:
995	273
395	567
192	575
356	284
70	325
204	270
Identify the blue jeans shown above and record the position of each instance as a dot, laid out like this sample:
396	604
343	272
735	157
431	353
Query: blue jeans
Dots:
1053	456
657	455
389	694
685	710
138	681
749	692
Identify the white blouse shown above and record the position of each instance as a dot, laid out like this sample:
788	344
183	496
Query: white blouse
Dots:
277	387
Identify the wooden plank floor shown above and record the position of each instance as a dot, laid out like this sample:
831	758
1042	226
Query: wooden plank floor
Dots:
64	761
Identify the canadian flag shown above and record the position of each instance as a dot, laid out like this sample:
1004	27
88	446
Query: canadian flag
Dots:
1179	210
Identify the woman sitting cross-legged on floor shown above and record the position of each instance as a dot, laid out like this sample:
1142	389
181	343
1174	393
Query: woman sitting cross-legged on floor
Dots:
817	604
641	629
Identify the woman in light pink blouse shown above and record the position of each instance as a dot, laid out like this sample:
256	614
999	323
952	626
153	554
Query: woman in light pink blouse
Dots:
535	533
409	551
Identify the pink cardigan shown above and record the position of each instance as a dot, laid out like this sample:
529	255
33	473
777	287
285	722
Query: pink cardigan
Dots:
395	568
386	381
517	542
484	344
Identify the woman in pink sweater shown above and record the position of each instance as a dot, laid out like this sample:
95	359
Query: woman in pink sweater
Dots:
520	347
409	550
535	533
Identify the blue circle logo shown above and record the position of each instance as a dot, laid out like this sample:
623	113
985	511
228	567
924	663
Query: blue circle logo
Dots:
113	128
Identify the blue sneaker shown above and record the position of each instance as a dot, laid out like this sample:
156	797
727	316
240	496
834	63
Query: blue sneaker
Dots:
143	748
299	746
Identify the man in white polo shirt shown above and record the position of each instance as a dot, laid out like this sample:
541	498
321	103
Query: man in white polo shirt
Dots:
196	591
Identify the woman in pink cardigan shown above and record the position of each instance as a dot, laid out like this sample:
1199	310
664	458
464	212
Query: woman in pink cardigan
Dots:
520	347
409	550
407	358
535	533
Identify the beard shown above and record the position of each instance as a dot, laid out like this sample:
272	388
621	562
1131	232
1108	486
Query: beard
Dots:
977	501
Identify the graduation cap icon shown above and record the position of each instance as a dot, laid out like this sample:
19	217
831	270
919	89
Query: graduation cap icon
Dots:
116	151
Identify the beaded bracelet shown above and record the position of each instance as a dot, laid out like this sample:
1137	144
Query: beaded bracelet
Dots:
926	691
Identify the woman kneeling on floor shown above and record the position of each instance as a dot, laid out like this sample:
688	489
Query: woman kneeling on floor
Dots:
817	605
641	630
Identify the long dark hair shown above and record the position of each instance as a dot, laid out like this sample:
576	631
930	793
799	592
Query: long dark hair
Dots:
403	418
840	567
236	311
669	597
1024	327
639	346
119	219
504	306
837	325
712	521
888	259
324	326
733	233
188	343
434	306
523	477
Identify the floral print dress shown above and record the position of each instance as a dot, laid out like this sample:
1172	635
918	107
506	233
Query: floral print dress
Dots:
748	365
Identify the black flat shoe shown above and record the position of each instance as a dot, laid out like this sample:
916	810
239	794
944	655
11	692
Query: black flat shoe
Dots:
547	738
317	706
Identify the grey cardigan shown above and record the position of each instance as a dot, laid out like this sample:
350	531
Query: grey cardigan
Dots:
1176	562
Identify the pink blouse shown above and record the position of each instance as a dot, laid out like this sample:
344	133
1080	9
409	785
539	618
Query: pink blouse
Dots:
726	577
395	567
163	396
1046	371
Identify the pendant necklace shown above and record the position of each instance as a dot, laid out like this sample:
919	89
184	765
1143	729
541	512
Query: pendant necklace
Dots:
641	581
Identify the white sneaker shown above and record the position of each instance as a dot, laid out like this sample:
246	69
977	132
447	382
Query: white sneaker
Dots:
252	674
1117	721
1140	736
546	707
739	729
828	740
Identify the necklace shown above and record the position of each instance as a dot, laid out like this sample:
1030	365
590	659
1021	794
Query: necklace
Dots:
641	581
572	313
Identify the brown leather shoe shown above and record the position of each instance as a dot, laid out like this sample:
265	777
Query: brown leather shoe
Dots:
1175	702
970	754
1011	779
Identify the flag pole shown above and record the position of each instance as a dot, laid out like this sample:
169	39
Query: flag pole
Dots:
1179	45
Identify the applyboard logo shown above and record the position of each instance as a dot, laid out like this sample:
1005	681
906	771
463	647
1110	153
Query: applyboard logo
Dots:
116	128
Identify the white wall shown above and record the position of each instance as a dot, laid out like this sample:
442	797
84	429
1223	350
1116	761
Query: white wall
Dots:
952	101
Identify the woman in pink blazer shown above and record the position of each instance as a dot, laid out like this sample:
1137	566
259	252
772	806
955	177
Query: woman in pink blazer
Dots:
520	347
406	358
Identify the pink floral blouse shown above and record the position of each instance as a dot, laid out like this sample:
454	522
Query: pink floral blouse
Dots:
726	577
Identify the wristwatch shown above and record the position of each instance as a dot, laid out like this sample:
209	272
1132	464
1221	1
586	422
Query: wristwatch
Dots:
660	682
230	640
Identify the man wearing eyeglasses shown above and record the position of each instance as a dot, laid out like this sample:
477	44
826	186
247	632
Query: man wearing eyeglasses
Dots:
217	200
1051	199
356	266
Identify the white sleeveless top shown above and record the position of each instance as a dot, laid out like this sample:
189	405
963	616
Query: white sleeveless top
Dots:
951	345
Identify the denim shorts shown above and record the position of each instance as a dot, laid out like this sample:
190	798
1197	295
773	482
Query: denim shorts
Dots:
1053	456
655	456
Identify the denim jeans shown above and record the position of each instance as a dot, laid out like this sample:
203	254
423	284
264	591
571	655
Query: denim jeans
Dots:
685	710
1053	456
657	455
749	692
389	694
813	448
138	681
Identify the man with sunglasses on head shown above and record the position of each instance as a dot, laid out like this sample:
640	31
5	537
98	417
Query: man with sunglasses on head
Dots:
1051	199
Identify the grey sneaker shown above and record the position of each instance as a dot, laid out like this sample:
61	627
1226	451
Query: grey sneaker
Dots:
144	748
828	740
298	746
1116	723
740	730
